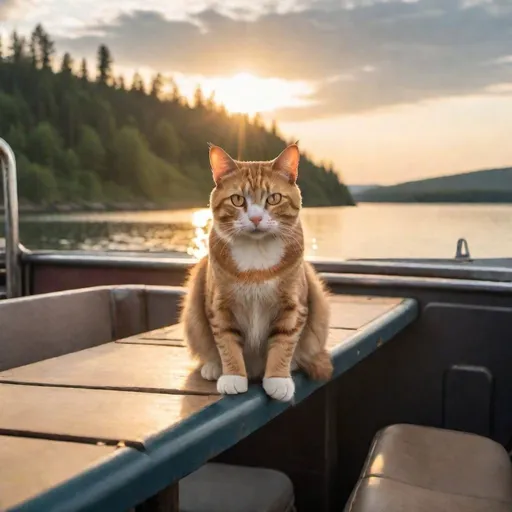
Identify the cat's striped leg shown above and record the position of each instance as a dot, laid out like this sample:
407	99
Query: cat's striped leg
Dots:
282	341
228	339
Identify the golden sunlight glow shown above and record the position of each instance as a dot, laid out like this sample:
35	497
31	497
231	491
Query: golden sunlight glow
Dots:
201	220
247	93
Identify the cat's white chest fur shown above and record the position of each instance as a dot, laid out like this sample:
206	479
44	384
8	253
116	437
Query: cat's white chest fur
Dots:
257	254
256	304
255	310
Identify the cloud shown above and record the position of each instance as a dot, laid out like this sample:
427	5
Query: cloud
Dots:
6	8
362	55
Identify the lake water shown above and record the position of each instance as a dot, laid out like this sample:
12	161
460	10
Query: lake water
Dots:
366	231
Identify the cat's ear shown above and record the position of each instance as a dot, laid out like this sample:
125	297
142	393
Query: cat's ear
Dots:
220	162
288	162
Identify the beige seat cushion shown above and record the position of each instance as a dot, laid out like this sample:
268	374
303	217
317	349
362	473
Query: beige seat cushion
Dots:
382	495
414	468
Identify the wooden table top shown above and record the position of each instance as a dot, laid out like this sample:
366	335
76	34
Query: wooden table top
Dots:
25	463
144	392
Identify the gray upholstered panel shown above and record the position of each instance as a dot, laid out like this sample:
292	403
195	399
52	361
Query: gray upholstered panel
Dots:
129	310
163	305
226	488
49	325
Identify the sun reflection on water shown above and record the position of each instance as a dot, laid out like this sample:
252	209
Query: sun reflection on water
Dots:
201	220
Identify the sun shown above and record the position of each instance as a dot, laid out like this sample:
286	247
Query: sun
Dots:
248	93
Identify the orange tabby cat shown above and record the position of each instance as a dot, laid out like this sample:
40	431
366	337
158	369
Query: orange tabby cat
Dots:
255	307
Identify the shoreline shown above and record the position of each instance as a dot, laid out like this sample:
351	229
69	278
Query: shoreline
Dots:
98	207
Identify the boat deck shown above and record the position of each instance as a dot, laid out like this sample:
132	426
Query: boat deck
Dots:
107	427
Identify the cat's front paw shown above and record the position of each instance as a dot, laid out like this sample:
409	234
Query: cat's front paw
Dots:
279	388
211	370
232	384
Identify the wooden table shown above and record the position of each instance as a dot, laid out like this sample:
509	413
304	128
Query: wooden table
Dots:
108	427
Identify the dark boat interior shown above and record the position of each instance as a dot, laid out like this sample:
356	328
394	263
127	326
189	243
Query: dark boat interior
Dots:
423	422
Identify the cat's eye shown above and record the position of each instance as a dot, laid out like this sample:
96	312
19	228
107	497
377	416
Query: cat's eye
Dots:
237	200
274	199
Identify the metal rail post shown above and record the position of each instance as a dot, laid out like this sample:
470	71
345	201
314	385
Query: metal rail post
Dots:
12	236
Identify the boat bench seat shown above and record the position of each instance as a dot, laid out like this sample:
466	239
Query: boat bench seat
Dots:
219	487
421	469
74	320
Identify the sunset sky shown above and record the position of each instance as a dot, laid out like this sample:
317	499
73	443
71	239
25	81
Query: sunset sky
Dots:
390	90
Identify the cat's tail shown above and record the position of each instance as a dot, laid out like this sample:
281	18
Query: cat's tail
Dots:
317	366
311	354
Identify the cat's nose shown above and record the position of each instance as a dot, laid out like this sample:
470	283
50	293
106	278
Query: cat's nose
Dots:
255	220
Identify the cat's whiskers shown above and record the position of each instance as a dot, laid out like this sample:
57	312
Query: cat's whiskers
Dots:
289	235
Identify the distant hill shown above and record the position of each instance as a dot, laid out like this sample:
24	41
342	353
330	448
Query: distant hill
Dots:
485	186
358	189
100	142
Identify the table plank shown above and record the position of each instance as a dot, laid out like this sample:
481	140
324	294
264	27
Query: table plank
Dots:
171	335
162	342
118	366
135	367
106	416
31	466
347	312
337	337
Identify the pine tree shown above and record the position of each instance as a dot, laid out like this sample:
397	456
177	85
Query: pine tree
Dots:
17	47
33	48
166	142
175	92
138	83
67	64
84	72
104	65
210	101
257	120
90	150
121	83
156	86
46	47
198	97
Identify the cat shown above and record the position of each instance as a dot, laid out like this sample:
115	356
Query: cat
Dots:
254	307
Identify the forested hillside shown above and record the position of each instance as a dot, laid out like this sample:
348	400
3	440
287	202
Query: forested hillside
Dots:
485	186
82	141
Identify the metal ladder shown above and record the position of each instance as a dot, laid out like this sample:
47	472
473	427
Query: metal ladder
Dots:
13	286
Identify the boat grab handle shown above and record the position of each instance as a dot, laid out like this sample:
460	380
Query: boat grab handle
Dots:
12	233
